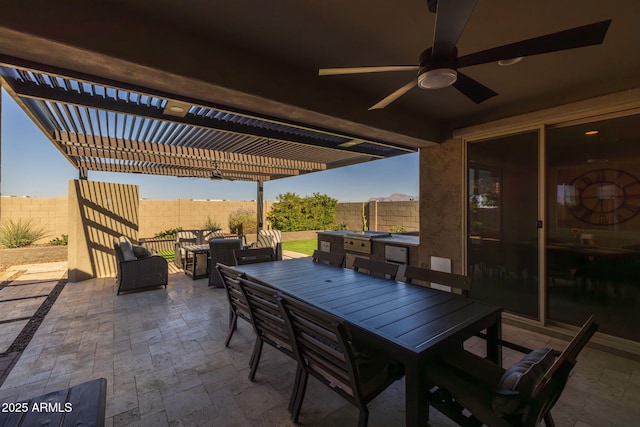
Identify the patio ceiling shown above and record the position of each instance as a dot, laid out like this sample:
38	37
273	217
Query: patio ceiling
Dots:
102	125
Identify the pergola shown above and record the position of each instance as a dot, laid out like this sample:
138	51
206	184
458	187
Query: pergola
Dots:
107	126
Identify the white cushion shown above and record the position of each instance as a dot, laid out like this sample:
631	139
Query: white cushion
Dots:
127	249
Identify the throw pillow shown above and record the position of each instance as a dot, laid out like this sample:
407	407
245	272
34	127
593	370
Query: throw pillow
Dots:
127	249
522	377
141	251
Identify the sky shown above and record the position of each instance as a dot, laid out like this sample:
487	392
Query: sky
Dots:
32	166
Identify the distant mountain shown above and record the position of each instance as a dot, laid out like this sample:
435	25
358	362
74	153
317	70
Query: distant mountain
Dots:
395	197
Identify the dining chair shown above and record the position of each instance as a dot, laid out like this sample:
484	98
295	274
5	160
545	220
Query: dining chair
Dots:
423	275
522	395
455	282
325	350
269	325
238	307
253	255
330	258
376	268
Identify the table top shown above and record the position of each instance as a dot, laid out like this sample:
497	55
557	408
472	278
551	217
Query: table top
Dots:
411	317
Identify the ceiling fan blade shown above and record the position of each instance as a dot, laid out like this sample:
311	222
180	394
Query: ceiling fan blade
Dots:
363	70
587	35
451	18
395	95
472	89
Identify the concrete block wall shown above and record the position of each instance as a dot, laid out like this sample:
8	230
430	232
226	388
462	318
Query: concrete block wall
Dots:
160	215
381	216
50	213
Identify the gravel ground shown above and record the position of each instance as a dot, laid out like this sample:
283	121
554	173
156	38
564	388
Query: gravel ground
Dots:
31	255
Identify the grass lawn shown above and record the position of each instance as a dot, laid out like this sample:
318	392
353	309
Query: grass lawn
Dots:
302	246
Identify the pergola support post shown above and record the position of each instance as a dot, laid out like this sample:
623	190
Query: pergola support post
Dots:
260	206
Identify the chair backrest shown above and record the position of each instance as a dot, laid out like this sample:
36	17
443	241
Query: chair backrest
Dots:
268	238
331	258
321	345
253	255
376	267
231	281
548	390
452	280
266	315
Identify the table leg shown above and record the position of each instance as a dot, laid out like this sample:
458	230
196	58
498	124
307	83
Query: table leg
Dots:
494	335
416	404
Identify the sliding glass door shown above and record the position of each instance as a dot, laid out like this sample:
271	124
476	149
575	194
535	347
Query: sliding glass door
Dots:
502	220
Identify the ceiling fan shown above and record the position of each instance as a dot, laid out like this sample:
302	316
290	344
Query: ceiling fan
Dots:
439	64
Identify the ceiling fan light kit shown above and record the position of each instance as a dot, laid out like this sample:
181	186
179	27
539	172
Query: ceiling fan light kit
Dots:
437	78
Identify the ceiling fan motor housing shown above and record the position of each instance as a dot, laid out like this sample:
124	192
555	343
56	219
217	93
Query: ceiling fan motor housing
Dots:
436	73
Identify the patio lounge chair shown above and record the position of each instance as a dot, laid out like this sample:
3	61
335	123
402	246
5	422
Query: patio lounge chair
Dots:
270	239
221	251
522	395
137	267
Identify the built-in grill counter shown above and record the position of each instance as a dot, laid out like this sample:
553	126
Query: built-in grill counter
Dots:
400	248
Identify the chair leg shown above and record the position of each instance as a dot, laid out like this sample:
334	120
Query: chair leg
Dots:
548	420
255	358
233	321
363	419
302	388
296	387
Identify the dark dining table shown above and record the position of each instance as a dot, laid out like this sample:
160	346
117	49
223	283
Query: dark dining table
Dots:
409	323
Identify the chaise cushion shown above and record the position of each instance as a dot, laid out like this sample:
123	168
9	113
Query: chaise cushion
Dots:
522	377
127	249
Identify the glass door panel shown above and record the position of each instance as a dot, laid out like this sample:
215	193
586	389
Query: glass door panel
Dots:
502	213
593	224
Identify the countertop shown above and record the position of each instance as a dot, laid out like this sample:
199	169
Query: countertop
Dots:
394	239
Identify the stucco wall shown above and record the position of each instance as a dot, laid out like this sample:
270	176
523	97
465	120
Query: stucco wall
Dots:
441	203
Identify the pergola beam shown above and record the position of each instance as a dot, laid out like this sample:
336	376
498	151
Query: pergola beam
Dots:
51	94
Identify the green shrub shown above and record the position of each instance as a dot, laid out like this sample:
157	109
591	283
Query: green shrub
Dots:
397	229
339	226
60	241
295	213
21	233
243	221
168	234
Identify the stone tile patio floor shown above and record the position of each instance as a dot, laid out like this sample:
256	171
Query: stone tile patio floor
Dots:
163	356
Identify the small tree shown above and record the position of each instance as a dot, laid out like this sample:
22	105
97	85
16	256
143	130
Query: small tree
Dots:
243	221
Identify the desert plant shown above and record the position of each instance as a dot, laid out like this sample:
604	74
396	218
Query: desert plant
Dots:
211	225
168	234
21	233
243	221
60	241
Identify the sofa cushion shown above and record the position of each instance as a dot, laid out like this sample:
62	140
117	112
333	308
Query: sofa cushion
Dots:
127	249
141	251
522	377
